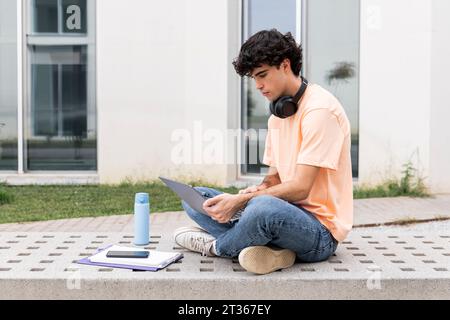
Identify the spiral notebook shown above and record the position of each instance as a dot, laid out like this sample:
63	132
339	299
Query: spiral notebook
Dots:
155	261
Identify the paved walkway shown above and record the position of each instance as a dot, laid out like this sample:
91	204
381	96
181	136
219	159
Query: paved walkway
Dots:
38	260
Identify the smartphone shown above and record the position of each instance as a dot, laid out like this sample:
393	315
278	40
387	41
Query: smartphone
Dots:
127	254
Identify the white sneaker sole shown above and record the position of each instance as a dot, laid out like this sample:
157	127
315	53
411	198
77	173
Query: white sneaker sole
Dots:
263	260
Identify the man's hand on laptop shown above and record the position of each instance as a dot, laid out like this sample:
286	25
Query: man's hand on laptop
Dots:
223	206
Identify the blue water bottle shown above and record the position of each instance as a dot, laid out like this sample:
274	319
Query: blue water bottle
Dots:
141	219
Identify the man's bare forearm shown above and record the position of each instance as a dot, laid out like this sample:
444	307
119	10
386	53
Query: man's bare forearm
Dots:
290	191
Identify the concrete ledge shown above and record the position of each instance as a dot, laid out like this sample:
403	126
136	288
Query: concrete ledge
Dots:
49	178
180	289
381	264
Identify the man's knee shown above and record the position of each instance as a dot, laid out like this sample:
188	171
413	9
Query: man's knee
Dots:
259	208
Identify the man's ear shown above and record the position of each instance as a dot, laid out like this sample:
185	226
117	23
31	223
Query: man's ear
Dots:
286	64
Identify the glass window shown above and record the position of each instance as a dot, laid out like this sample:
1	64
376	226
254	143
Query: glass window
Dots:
60	16
59	83
332	56
8	85
46	16
61	115
260	15
44	99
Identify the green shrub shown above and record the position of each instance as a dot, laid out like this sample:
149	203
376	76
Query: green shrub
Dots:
409	185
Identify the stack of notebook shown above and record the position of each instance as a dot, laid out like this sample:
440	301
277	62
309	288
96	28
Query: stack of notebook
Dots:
155	261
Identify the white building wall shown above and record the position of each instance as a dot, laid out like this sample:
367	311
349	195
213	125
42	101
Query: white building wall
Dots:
160	69
440	97
395	91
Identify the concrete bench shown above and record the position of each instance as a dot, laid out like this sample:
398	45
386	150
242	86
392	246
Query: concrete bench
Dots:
380	264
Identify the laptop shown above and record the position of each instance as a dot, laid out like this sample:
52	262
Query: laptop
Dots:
192	197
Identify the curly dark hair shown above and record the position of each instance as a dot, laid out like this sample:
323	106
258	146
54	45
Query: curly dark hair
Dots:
268	47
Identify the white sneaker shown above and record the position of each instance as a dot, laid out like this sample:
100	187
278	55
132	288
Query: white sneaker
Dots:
195	239
262	259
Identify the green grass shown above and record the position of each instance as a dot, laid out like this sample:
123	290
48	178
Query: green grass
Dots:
5	197
388	189
38	203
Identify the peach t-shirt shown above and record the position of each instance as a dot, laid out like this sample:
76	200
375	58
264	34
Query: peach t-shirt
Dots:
318	135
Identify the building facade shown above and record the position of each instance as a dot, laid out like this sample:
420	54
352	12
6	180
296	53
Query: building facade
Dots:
99	91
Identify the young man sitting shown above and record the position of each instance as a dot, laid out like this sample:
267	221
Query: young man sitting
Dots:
304	206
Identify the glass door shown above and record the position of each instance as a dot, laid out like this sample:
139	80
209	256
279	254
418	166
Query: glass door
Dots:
261	15
332	56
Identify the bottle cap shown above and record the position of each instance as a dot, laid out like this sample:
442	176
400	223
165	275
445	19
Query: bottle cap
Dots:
141	198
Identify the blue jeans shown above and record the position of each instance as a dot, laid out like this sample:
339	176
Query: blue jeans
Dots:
271	221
